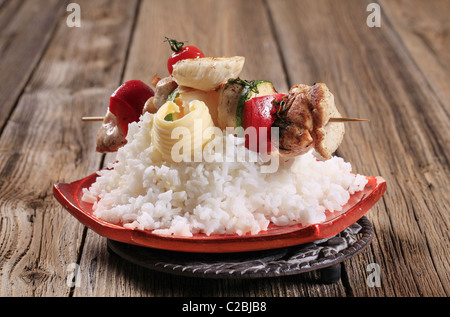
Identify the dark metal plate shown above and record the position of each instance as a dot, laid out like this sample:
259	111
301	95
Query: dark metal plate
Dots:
323	254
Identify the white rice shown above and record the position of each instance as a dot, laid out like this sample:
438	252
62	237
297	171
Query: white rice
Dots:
142	191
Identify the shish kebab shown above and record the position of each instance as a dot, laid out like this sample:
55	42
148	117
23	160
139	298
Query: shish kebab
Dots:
306	116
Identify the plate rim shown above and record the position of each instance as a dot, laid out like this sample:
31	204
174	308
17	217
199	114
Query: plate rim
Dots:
284	237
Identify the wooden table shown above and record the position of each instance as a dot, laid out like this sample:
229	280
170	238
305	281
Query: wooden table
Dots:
397	75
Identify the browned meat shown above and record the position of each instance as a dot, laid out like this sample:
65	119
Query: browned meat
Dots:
110	137
303	123
293	139
162	90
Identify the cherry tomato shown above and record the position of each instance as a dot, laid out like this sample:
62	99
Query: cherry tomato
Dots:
181	52
259	113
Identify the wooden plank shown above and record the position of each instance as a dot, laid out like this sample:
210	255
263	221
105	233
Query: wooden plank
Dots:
219	28
45	142
26	28
422	28
373	76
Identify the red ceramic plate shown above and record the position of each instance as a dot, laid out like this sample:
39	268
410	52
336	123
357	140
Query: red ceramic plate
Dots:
69	195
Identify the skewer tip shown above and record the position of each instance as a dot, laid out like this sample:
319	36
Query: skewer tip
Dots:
348	120
92	118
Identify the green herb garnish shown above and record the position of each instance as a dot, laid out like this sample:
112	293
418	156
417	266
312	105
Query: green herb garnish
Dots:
251	84
281	107
169	117
175	45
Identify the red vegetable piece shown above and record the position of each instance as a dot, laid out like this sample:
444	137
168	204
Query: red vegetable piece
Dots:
258	113
181	52
135	93
124	112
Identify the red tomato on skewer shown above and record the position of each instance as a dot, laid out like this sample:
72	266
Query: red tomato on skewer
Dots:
127	102
259	113
181	52
124	112
135	93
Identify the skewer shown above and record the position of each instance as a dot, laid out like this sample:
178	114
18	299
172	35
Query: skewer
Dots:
92	119
347	120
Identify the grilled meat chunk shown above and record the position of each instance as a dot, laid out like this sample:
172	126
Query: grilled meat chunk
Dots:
303	123
110	137
163	88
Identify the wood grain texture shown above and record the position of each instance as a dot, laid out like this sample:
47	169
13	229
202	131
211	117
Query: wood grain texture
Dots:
45	142
423	29
26	28
395	75
373	76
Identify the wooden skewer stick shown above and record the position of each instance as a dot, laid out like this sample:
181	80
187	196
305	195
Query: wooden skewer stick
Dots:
92	118
331	119
347	120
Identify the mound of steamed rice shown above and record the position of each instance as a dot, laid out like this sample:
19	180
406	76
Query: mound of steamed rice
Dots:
142	191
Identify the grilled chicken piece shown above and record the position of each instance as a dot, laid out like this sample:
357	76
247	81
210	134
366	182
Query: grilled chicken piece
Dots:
304	123
328	138
110	137
149	106
163	88
293	139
